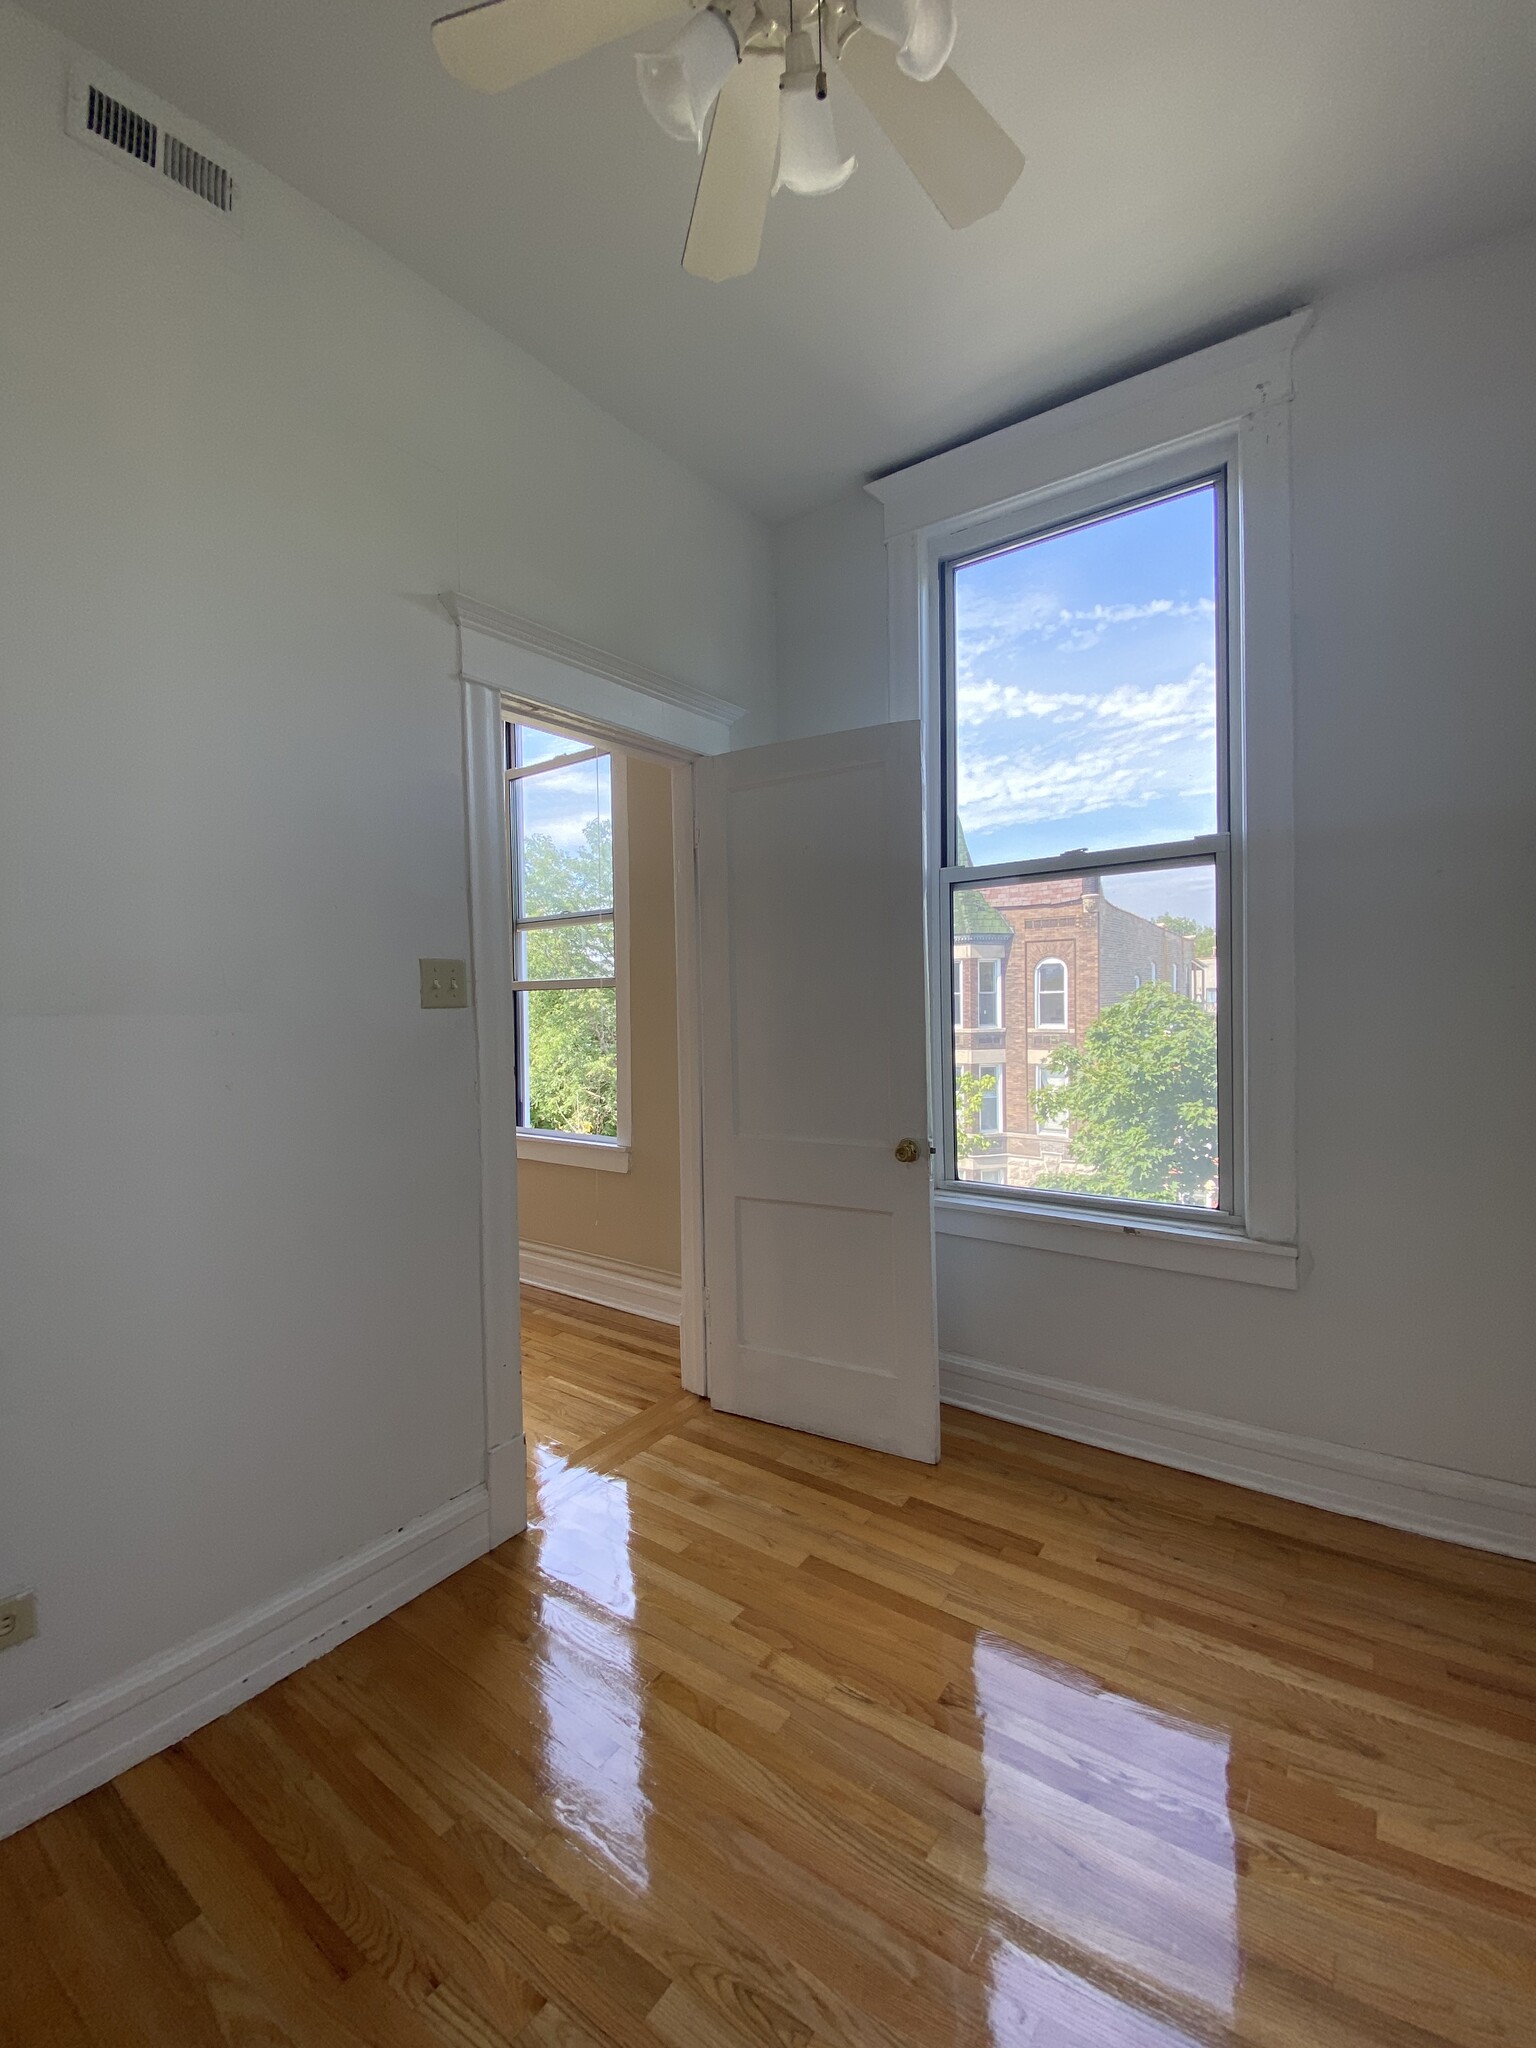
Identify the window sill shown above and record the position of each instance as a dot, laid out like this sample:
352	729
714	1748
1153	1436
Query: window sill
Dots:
1172	1247
607	1155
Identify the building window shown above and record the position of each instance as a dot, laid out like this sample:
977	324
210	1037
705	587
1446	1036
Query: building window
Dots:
1051	995
959	994
989	984
989	1110
568	952
1046	1121
1085	707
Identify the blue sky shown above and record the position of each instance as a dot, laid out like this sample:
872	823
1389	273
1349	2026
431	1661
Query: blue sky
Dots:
562	803
1085	688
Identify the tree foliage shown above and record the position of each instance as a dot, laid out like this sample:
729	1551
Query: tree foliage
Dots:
572	1033
971	1089
1186	928
1140	1101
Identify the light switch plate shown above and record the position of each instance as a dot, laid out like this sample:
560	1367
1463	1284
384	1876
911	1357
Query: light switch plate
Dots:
444	984
18	1619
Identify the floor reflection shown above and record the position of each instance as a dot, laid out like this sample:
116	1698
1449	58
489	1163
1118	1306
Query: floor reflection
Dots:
1108	1824
1034	2004
588	1679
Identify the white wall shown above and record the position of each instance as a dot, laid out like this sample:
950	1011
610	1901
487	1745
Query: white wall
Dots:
239	1325
1414	1330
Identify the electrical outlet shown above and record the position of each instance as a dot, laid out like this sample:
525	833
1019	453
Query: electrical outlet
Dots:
444	984
18	1619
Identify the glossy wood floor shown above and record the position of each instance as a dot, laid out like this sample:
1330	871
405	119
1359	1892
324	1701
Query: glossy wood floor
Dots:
753	1740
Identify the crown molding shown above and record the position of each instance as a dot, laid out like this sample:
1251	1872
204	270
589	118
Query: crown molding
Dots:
485	627
1161	408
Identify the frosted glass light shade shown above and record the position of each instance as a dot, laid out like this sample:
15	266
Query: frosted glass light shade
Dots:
809	160
682	82
922	30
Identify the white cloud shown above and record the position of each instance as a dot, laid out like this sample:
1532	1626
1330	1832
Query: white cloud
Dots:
1129	746
989	624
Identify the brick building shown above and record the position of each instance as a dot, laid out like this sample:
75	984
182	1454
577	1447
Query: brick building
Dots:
1034	964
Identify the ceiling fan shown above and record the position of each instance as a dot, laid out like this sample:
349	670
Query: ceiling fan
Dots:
761	67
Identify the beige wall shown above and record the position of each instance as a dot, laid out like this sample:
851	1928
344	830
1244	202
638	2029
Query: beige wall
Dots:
630	1216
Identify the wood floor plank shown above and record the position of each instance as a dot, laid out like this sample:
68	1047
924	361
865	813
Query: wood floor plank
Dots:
756	1741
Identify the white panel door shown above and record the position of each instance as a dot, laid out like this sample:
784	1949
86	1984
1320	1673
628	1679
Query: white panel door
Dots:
818	1231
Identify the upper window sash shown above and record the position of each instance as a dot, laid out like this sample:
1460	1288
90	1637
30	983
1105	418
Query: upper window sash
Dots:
1089	504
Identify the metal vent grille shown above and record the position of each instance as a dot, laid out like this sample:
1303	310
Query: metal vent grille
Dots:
122	127
199	174
102	112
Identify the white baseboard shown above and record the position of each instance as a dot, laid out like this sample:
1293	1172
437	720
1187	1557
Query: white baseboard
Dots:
1430	1500
609	1282
80	1745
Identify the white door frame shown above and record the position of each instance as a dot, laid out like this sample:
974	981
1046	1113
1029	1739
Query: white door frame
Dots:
507	664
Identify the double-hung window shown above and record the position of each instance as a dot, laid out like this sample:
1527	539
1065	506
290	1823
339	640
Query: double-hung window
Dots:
568	958
1095	625
1086	725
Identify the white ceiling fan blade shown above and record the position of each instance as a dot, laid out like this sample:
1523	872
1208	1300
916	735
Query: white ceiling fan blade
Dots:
964	162
726	232
501	42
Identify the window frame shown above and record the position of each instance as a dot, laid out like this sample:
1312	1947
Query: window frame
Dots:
994	1095
1086	502
1226	410
996	993
1065	992
571	1148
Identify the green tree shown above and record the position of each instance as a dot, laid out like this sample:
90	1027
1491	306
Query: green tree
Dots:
1139	1101
572	1033
1186	928
970	1090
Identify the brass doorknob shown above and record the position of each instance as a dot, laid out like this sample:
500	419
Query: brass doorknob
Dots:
909	1151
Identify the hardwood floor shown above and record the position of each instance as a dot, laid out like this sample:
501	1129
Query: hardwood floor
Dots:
757	1740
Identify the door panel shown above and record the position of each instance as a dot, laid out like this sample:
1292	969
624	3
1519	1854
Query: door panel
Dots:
818	1240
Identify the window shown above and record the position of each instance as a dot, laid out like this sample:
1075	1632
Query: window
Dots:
989	1109
1051	995
1046	1076
567	941
959	994
989	983
1092	614
1087	784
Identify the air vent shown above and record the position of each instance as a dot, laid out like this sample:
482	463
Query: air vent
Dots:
199	174
122	127
100	113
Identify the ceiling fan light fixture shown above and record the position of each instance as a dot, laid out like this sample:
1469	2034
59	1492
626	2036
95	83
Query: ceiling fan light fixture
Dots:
682	82
922	30
810	162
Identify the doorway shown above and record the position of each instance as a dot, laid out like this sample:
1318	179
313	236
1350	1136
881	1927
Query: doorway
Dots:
600	868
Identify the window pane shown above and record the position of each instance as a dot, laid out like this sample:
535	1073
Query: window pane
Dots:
534	745
565	952
570	1061
1101	1078
1085	686
565	820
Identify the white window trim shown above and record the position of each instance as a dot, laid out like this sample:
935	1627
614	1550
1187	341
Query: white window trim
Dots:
607	1155
997	1023
556	1148
1227	404
1065	992
995	1094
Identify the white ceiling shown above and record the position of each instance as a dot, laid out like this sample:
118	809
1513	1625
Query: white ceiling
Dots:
1193	165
